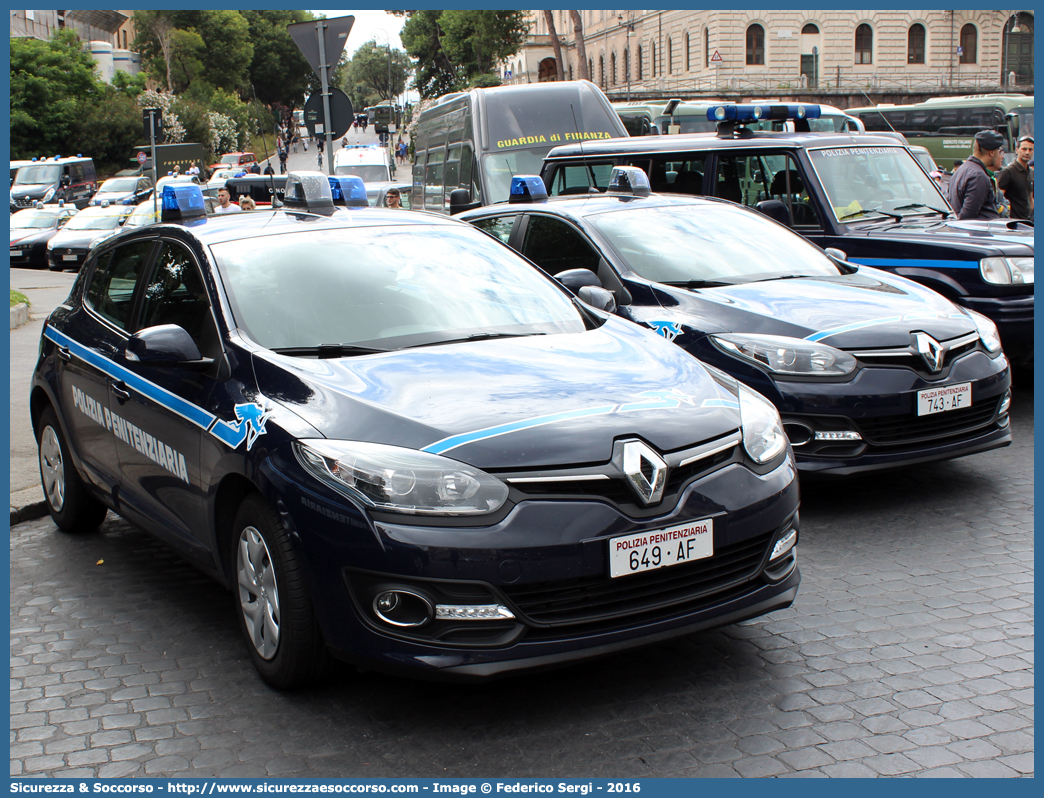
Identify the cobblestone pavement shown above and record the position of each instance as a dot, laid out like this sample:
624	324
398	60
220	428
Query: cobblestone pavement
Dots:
909	652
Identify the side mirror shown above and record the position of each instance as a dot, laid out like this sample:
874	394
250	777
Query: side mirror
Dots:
166	345
597	297
774	209
836	253
460	201
575	279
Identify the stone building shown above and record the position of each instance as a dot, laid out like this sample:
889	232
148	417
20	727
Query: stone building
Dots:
636	54
106	34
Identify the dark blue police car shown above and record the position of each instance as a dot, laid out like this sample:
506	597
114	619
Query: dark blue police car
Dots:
400	444
863	194
868	370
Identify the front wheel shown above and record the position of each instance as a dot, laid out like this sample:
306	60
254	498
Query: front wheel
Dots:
274	610
72	508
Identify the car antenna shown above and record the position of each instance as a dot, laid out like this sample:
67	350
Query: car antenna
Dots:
879	111
590	172
271	178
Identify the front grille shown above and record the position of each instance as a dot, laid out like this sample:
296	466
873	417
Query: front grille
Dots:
913	361
899	430
22	202
590	599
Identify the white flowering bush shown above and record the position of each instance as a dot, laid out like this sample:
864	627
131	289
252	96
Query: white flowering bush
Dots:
224	136
175	131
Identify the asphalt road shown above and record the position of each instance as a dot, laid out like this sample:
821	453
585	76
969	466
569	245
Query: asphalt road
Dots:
909	652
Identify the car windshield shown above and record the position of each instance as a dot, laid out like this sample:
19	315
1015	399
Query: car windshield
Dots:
120	184
390	287
861	180
370	173
708	243
38	175
86	220
500	167
230	159
33	219
141	215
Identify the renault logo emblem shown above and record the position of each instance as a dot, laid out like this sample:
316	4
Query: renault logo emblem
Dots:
644	470
930	350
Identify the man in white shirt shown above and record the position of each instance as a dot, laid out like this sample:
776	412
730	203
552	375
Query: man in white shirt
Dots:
225	204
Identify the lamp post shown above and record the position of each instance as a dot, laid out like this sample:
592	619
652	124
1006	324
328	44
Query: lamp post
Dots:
627	48
1014	19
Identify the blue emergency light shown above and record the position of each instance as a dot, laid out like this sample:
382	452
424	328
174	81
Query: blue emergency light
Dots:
182	202
349	191
743	114
527	188
309	190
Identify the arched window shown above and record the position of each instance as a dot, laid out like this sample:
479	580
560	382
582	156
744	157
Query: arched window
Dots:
969	44
627	65
639	73
915	44
755	45
670	56
864	45
706	47
601	71
810	29
612	69
688	55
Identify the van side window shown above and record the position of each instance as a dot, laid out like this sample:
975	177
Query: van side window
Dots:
555	246
580	178
750	179
675	174
112	289
433	185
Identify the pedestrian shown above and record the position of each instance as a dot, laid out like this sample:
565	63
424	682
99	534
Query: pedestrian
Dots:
971	189
319	145
177	170
192	170
392	199
255	168
282	161
246	203
297	138
268	168
225	204
1016	180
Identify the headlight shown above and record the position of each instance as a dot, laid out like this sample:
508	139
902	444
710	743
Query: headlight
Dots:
763	436
782	355
48	195
1007	271
397	480
987	331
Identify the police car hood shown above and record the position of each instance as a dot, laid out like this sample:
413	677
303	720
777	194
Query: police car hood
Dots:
80	238
24	189
866	310
996	237
538	401
22	235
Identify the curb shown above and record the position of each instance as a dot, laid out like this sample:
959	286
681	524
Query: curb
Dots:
29	512
19	315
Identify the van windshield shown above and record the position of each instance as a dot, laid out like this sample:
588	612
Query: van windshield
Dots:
500	167
38	175
370	173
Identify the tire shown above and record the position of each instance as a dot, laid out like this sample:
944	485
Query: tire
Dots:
72	507
274	610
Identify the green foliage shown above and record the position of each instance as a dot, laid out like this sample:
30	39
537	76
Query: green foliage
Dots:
279	72
131	85
454	48
485	80
365	77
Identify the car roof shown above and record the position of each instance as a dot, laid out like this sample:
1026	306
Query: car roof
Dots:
682	142
579	206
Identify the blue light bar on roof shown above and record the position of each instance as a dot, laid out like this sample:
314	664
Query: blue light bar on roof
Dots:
182	202
348	190
527	188
731	112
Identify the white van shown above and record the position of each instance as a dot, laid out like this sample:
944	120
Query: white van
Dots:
372	163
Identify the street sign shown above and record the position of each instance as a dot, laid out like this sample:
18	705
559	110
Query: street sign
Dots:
383	138
142	157
147	117
335	36
341	113
716	58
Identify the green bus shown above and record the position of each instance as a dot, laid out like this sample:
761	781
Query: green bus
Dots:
945	126
478	140
690	116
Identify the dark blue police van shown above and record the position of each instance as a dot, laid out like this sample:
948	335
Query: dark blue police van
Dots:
865	195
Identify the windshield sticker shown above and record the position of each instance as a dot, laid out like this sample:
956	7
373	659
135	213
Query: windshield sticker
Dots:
552	138
131	434
668	329
856	151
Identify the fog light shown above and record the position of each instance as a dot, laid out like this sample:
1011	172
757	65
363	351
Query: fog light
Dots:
838	436
1005	405
783	545
402	608
472	612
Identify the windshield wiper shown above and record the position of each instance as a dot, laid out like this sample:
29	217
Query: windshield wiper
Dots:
696	283
913	205
896	216
488	336
328	350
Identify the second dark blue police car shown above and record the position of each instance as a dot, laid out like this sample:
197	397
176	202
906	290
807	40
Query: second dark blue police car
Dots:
401	445
868	370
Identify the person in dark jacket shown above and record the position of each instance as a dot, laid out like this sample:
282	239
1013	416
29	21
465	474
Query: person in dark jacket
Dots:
1016	180
971	188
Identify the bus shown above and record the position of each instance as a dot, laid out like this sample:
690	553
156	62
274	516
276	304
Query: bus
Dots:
478	140
945	126
639	118
690	116
383	116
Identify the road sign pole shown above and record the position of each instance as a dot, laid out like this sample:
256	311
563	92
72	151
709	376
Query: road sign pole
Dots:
155	173
324	76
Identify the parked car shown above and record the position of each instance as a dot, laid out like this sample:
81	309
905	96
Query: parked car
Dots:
68	248
864	194
72	180
868	370
123	191
32	228
293	421
234	159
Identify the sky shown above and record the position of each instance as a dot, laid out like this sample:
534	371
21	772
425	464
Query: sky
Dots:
368	25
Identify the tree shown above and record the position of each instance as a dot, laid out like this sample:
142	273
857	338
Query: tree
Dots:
549	17
365	77
278	71
581	51
436	73
156	38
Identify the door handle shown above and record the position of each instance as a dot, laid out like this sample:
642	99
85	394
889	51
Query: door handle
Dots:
64	353
120	391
